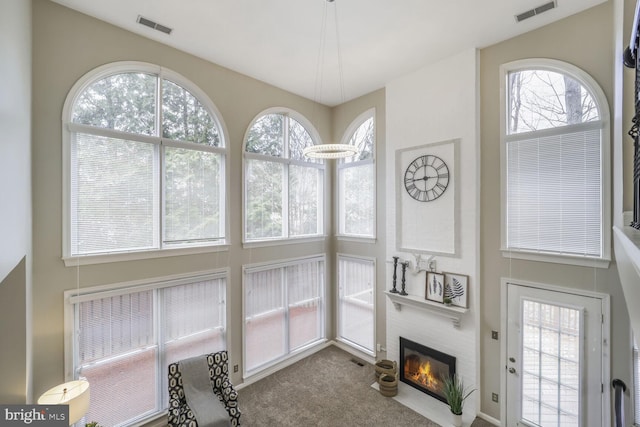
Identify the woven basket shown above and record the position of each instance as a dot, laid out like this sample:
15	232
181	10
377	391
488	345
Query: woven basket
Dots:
388	385
386	367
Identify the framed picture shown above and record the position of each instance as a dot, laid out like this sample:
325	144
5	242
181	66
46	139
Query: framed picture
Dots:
434	287
456	288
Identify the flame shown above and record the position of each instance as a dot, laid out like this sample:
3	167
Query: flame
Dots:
423	376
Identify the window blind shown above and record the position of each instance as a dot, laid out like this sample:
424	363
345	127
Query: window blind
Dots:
356	281
126	337
554	199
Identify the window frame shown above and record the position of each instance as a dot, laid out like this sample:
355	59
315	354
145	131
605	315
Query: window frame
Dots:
73	297
366	261
268	367
286	161
635	378
68	127
341	165
605	135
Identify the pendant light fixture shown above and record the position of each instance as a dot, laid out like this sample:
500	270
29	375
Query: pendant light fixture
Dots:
329	151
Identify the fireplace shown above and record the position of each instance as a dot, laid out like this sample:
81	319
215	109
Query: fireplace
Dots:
423	368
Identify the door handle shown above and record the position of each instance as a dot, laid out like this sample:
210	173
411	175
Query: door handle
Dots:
512	370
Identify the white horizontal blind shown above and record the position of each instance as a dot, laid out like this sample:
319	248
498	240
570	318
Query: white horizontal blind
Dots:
356	183
145	172
356	281
114	191
305	200
554	197
126	341
284	310
192	199
357	196
284	190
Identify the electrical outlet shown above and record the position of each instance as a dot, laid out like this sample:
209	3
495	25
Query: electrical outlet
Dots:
494	397
235	368
494	335
378	347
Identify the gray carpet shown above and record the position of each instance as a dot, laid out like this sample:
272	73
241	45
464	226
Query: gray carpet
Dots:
326	389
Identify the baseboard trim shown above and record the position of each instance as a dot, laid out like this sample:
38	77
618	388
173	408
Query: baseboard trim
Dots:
488	418
354	351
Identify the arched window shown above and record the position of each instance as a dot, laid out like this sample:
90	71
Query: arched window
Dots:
145	163
283	190
356	181
555	157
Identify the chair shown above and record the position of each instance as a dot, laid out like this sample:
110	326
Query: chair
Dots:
180	415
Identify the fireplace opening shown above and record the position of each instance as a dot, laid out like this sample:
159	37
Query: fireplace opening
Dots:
423	368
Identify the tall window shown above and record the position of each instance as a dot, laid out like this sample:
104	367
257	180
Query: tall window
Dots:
356	181
555	163
284	307
146	163
284	191
124	338
356	296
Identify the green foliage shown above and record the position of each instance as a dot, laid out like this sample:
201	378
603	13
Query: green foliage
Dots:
455	393
92	424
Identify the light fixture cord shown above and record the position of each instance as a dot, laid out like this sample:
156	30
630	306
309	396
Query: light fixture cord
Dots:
321	53
340	69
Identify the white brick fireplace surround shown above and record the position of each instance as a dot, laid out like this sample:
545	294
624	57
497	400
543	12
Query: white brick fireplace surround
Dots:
427	108
438	332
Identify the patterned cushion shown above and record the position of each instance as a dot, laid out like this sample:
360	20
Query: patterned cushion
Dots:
179	413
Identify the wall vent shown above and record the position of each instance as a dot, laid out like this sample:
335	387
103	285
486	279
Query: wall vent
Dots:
151	24
535	11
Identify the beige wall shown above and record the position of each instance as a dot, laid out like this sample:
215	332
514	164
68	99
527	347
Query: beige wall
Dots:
15	196
586	41
66	45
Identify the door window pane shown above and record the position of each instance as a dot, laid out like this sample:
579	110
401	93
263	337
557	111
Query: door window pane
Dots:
550	364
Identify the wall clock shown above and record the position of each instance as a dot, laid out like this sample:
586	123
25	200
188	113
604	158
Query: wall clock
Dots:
426	178
427	198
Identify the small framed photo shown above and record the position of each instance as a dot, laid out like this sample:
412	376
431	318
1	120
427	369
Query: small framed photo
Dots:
434	287
456	288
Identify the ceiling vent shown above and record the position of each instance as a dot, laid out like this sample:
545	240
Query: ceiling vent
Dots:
535	11
149	23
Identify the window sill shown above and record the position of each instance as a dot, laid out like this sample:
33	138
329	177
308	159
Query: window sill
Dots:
72	261
358	239
278	242
557	259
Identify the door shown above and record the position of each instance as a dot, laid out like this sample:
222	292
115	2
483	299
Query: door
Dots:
554	357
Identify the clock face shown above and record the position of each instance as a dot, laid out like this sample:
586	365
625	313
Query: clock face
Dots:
426	178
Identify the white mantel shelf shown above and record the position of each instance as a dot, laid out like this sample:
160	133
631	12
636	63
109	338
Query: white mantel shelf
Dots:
451	312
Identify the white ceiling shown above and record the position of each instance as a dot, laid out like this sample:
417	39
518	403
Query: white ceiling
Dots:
279	41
